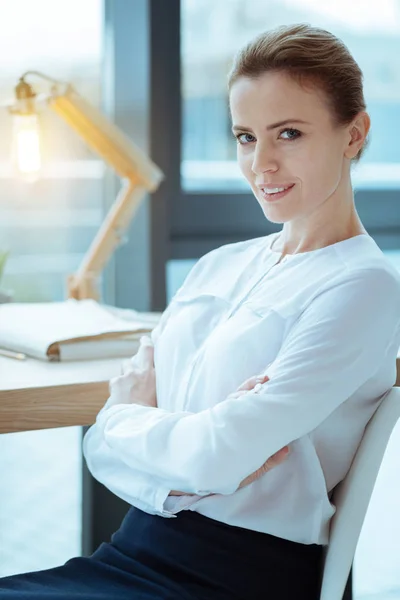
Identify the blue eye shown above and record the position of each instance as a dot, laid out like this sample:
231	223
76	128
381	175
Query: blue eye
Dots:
294	133
240	135
247	138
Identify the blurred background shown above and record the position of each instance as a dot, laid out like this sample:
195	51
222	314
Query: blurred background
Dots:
159	70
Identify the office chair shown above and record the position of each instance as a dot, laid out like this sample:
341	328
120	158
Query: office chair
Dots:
352	495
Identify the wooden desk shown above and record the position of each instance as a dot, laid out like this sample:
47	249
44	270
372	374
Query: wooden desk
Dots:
38	395
35	394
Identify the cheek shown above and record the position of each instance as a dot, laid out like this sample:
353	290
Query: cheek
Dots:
326	152
245	161
328	162
321	164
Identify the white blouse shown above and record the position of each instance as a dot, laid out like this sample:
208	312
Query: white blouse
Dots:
323	325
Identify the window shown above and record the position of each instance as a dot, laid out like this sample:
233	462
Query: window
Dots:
370	30
47	227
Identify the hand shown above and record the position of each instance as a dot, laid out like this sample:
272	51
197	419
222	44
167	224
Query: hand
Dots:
277	458
274	460
137	384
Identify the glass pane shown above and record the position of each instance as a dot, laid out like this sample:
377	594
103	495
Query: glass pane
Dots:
371	31
47	227
176	273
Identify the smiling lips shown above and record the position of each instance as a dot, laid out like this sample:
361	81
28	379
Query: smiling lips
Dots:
275	193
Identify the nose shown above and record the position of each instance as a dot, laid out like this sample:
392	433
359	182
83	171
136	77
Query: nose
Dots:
263	160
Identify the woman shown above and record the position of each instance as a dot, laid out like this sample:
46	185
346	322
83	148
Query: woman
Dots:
304	324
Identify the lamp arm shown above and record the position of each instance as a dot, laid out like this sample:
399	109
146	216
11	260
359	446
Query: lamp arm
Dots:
41	76
84	283
139	173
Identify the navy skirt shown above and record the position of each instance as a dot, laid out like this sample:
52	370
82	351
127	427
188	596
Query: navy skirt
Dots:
185	558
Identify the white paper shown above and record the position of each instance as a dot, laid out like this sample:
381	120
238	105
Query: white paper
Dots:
103	349
33	327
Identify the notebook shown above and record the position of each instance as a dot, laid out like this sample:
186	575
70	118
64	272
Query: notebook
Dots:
73	329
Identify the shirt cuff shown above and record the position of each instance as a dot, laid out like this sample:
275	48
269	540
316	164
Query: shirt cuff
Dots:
160	496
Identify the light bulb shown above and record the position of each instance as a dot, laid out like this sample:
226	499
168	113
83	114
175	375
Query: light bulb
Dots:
26	145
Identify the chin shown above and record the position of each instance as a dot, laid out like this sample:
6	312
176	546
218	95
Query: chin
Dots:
277	220
275	216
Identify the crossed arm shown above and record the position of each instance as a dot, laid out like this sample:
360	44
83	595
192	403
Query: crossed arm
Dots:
335	346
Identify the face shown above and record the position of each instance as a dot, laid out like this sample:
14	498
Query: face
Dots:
287	139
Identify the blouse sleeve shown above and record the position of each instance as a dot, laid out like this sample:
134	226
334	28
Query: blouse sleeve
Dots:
336	345
137	487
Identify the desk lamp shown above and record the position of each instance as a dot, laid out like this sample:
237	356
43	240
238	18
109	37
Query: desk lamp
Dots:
138	172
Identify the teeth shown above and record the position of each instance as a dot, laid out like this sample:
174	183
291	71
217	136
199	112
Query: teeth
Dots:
274	190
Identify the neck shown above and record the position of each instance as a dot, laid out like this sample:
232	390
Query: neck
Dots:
333	221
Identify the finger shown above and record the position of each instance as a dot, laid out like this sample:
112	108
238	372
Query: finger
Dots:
283	452
250	383
125	366
146	348
277	458
147	355
146	343
142	360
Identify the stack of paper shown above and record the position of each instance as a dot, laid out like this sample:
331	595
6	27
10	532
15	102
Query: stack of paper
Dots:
73	330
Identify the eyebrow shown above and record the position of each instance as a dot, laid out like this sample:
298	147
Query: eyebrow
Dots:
272	126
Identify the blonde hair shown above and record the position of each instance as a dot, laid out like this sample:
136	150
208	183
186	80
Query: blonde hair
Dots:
311	56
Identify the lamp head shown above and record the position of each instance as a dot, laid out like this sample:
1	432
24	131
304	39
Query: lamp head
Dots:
25	98
24	90
26	139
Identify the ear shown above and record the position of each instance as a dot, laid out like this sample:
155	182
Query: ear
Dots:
358	131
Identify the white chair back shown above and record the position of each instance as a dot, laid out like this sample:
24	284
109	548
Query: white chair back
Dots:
352	496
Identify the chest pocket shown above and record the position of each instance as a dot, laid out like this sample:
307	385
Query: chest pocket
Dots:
194	316
254	333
